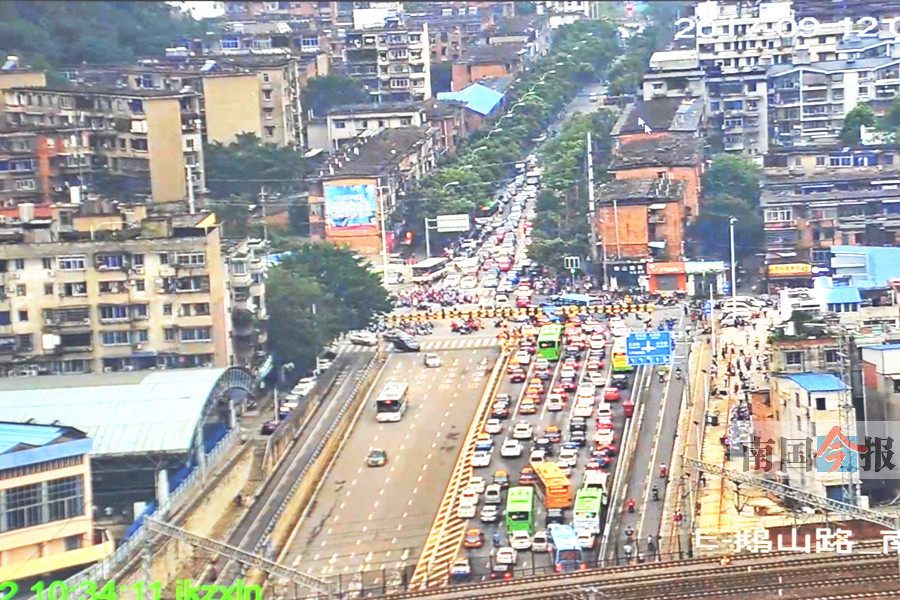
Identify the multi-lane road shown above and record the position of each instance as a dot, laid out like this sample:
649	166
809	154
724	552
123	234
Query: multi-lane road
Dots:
374	518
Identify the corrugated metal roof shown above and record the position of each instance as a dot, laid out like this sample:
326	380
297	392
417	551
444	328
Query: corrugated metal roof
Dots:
881	264
476	97
13	434
124	413
817	382
882	347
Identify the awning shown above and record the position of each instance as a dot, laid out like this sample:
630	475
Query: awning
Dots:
313	152
657	245
657	206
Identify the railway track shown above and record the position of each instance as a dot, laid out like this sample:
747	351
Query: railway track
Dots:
698	578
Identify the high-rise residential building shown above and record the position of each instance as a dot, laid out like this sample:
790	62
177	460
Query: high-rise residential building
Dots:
392	64
147	141
258	94
89	292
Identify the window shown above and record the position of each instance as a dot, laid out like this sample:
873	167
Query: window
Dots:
194	258
340	124
265	78
170	334
48	289
78	288
21	290
820	161
163	258
793	358
832	356
139	311
139	145
19	263
897	386
778	215
270	131
112	287
141	335
23	316
839	161
196	309
107	262
820	403
137	259
115	338
65	498
196	334
268	112
24	184
113	312
140	285
267	94
192	284
167	308
70	263
22	507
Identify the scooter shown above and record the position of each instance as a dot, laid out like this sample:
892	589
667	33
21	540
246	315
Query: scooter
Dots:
655	493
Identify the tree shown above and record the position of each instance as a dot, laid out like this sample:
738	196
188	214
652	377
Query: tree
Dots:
711	231
861	114
317	293
242	167
324	93
733	175
59	34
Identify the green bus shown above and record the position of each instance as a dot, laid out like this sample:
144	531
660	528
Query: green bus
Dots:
588	504
520	509
549	342
620	357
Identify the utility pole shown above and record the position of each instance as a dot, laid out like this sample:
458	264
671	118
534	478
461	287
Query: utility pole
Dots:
262	203
592	215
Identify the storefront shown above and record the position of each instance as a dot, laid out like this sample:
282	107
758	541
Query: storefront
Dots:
625	276
703	275
666	277
790	275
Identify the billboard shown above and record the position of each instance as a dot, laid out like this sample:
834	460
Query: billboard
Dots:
352	207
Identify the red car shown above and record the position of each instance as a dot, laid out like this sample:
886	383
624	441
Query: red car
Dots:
527	476
604	423
561	390
612	394
594	365
517	376
628	407
601	461
572	361
522	301
569	384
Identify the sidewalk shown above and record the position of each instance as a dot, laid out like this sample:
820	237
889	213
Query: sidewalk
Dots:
718	515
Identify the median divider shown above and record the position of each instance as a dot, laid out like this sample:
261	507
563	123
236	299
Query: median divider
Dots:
447	531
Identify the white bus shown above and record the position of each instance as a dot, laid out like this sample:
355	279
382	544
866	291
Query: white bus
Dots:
596	479
391	402
429	269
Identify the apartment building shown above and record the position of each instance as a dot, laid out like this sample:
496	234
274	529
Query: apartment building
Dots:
256	36
452	31
258	94
642	219
816	197
246	260
808	101
363	187
837	10
344	124
581	8
147	141
808	406
150	295
486	62
393	64
46	525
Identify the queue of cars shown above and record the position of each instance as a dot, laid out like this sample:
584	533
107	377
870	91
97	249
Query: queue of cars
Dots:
576	385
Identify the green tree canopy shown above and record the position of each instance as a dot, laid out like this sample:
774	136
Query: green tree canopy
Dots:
732	175
317	293
324	93
57	34
240	168
861	114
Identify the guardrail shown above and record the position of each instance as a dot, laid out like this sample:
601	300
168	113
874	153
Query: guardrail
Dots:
446	535
362	385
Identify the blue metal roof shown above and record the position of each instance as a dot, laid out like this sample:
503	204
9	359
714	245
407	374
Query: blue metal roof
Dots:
867	266
817	382
476	97
14	434
843	295
883	347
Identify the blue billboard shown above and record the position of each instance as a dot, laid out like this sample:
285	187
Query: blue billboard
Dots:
351	207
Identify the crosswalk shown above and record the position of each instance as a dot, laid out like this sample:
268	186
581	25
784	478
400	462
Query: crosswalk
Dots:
462	342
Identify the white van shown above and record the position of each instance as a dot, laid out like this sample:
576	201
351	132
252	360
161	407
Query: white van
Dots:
493	494
540	542
604	411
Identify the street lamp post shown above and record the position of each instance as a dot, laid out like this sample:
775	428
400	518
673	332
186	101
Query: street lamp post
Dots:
384	252
731	223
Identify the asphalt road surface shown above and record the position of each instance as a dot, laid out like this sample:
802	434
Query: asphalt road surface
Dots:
373	518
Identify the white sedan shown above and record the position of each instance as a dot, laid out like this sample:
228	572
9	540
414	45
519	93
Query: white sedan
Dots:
493	426
506	556
523	431
511	449
520	540
452	280
466	511
432	360
522	357
481	459
583	409
468	282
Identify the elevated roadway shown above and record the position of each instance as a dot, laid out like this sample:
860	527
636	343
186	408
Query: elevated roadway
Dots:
371	519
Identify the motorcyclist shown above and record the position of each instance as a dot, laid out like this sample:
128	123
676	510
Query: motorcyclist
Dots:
629	532
631	504
663	470
628	550
651	543
678	373
655	492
